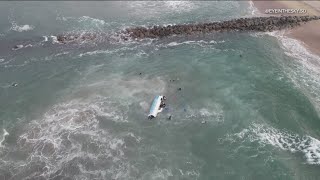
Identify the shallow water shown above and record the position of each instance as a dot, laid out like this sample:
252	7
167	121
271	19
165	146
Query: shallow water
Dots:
79	110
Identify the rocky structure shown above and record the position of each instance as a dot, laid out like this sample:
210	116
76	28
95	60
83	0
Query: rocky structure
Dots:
71	37
243	24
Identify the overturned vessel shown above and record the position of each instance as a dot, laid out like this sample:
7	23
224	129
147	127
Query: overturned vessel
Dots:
156	106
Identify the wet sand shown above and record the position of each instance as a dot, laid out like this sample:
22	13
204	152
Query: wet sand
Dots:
307	33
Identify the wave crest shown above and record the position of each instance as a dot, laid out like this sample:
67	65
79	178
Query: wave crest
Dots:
281	139
21	28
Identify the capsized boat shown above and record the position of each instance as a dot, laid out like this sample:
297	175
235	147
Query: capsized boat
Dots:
156	107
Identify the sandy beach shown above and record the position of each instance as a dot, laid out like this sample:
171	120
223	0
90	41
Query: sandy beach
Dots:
307	33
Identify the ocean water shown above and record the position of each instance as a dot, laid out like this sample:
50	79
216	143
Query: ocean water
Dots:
79	110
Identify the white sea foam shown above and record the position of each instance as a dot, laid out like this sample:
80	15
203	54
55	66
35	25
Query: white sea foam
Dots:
4	135
252	9
70	133
62	53
158	173
297	49
282	139
118	50
54	39
1	60
92	20
21	28
45	38
28	45
200	43
96	52
306	76
78	138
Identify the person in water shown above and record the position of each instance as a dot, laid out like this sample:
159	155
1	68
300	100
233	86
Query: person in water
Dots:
162	105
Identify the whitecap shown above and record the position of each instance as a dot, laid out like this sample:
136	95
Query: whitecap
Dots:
62	53
305	75
93	20
281	139
16	47
54	39
95	53
21	28
4	135
45	38
296	49
70	133
28	45
200	43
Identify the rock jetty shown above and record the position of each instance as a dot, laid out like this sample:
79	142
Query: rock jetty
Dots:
263	24
243	24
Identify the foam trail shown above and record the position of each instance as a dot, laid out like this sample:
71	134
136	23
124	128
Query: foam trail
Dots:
5	134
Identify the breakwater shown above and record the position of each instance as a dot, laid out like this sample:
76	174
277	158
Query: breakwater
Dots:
263	24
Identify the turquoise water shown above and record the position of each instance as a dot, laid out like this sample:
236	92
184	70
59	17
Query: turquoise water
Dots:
80	110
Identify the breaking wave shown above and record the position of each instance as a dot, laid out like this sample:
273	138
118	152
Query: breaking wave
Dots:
305	74
91	20
21	28
68	142
281	139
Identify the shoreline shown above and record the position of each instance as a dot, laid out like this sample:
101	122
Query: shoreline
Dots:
307	33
